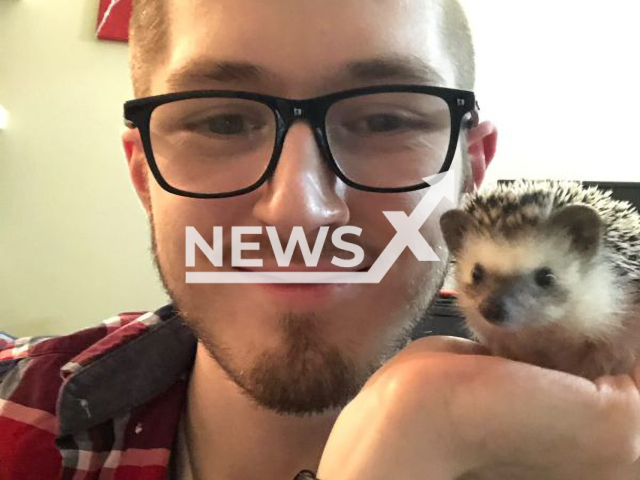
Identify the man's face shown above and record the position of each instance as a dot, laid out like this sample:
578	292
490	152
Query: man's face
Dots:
298	348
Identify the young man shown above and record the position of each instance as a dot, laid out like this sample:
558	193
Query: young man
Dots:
241	381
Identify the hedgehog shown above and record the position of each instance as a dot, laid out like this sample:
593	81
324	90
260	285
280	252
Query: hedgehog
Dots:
548	273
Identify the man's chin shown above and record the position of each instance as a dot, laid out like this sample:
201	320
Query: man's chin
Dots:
304	375
292	361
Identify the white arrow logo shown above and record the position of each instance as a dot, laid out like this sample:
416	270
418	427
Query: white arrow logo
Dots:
407	235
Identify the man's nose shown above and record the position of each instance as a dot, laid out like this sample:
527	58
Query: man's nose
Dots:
303	190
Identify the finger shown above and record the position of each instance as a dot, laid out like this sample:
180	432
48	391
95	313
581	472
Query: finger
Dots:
446	344
636	375
428	346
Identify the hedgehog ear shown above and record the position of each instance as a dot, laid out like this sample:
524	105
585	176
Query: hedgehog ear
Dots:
454	225
582	224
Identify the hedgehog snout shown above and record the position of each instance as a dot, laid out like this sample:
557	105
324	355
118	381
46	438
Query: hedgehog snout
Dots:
494	310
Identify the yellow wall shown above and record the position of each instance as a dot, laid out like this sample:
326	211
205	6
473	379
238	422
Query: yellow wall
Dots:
74	245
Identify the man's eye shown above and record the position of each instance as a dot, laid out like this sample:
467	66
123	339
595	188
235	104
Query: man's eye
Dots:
227	124
381	123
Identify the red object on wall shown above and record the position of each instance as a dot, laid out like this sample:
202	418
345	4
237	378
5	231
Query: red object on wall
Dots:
116	25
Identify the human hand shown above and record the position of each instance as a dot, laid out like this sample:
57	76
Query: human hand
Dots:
442	409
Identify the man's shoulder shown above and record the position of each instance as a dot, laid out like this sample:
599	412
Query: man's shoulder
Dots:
39	362
63	346
58	388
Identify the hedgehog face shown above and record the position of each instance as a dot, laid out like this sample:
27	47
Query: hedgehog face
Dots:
514	284
533	275
535	256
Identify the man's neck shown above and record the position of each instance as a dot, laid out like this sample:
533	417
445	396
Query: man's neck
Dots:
232	438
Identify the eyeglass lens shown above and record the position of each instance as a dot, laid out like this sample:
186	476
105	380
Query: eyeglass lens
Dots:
220	145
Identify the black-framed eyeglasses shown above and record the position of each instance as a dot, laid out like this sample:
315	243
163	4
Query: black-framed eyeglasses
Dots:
221	143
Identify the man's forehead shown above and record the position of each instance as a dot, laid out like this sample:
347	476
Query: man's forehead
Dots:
289	43
205	71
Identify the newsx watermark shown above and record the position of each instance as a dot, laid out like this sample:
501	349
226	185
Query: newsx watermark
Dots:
407	236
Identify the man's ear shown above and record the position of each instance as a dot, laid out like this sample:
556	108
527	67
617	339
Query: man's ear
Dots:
481	141
136	161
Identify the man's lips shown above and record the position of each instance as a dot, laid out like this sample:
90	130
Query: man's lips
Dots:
304	295
321	267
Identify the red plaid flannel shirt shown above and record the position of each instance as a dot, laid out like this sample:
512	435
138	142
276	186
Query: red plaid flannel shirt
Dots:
102	404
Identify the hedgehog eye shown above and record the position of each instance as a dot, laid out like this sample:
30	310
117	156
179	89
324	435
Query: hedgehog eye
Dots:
545	277
477	274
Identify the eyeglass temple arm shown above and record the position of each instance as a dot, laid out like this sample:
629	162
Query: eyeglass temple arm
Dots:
474	119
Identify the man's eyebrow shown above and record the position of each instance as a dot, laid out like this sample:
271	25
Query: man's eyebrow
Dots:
203	71
411	69
389	68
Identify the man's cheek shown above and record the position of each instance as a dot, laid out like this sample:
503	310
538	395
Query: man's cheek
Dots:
170	235
430	231
170	252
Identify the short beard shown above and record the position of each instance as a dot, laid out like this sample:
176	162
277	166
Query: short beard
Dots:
306	376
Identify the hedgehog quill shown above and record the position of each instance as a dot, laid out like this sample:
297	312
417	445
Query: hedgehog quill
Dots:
548	273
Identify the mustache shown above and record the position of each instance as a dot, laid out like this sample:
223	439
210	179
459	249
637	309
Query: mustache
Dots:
264	250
